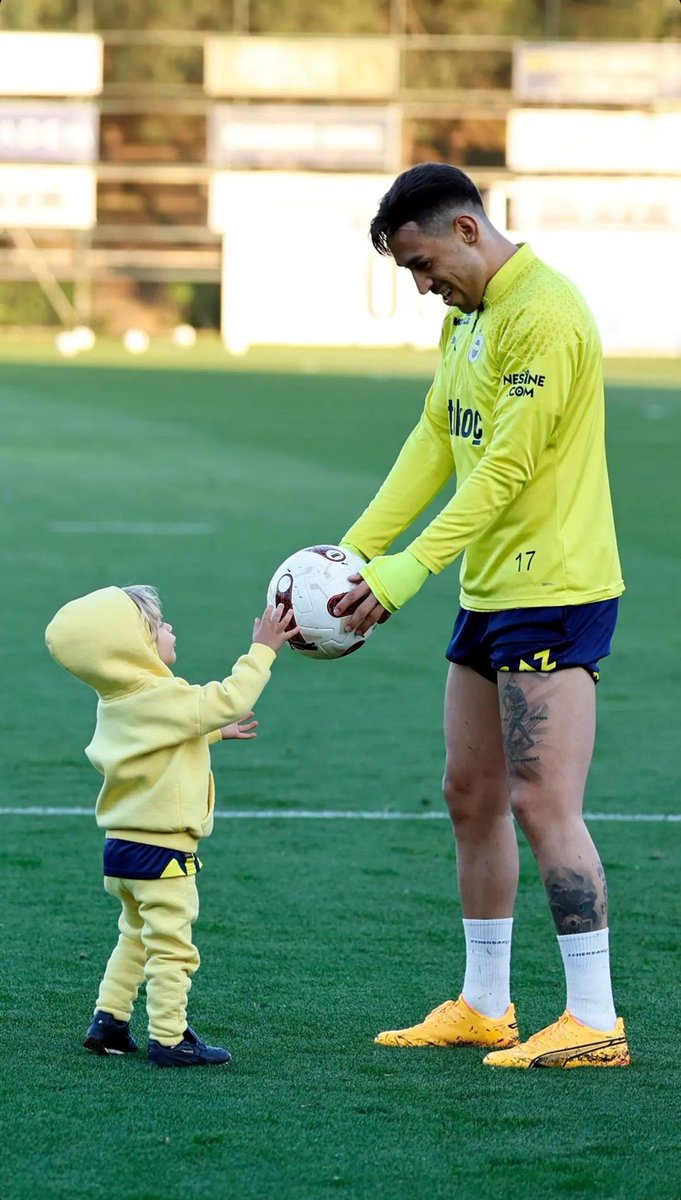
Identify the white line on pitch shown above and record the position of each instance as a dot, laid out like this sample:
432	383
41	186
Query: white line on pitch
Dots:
295	814
134	527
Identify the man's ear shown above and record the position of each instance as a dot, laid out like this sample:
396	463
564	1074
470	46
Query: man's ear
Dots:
468	227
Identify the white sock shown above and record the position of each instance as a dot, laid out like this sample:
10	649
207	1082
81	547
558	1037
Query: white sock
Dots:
586	958
486	986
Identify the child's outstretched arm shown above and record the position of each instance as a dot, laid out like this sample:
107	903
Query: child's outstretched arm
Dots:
231	700
174	711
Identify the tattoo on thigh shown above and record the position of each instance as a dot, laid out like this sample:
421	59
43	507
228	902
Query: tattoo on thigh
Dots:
574	902
521	725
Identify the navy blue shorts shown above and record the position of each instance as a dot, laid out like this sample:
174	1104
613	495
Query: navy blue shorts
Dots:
534	639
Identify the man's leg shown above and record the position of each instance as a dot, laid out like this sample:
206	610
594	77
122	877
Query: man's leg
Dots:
477	795
476	791
548	723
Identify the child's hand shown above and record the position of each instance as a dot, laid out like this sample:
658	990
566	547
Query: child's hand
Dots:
239	729
275	627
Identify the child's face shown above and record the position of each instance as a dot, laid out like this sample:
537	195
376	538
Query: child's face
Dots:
165	643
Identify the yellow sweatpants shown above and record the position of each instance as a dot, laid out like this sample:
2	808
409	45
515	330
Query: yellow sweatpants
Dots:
155	943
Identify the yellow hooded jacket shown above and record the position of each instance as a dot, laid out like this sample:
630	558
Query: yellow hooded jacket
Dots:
153	729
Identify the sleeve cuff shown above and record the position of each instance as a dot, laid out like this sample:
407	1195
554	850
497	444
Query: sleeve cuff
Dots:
345	545
395	578
264	655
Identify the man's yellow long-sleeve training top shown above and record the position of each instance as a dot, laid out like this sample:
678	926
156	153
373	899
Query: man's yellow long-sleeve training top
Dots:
516	412
153	729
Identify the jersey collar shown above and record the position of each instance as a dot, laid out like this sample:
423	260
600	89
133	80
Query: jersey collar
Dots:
508	274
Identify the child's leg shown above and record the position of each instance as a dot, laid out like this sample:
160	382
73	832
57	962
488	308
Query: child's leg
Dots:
125	969
168	909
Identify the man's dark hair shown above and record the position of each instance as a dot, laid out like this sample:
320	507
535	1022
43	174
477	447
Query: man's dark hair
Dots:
425	194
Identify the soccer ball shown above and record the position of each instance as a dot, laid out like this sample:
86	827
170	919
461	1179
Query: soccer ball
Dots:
310	583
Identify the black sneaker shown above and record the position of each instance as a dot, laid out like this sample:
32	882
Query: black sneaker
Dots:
106	1035
192	1051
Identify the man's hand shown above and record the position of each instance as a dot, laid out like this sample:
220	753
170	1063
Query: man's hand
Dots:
385	584
361	607
239	729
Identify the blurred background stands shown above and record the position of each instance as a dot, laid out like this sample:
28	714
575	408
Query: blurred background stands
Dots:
120	148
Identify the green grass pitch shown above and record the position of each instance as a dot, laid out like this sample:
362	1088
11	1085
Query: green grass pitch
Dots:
314	934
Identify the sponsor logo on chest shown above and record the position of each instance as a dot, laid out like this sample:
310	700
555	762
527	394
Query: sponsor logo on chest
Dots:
465	422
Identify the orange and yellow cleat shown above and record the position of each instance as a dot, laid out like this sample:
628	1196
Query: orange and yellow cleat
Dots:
455	1023
567	1043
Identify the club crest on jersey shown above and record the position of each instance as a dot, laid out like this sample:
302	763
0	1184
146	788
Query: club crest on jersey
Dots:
476	349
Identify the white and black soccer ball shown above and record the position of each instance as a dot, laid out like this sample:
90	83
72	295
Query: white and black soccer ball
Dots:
310	583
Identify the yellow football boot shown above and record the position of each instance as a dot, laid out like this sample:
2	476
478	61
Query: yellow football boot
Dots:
567	1043
455	1023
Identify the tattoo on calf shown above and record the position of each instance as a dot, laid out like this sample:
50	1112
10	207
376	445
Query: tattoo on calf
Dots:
575	902
604	889
521	726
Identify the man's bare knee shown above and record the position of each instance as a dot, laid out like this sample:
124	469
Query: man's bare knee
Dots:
531	807
459	781
546	814
474	797
458	790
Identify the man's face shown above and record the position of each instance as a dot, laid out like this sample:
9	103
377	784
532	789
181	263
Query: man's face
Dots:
448	264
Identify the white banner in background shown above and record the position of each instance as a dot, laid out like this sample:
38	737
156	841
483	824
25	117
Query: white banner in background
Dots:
332	68
48	197
562	140
586	202
299	268
50	64
361	137
44	132
626	280
597	72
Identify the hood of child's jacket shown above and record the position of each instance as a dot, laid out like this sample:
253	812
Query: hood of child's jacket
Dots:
103	639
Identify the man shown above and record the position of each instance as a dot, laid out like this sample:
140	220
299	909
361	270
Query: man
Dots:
516	412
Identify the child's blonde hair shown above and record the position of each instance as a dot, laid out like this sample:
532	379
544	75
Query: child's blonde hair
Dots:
147	600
